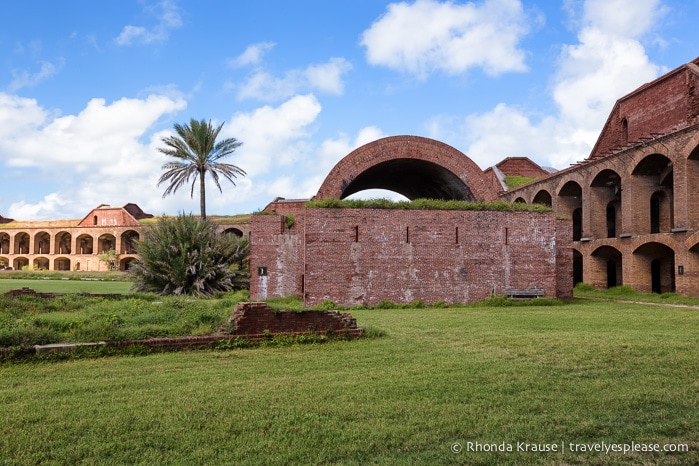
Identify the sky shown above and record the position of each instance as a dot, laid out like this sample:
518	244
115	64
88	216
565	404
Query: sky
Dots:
88	89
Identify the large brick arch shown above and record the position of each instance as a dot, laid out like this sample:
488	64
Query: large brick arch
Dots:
413	166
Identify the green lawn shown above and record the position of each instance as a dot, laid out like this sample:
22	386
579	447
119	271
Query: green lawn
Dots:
66	286
583	373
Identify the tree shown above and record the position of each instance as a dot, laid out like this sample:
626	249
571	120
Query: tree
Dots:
186	256
197	154
111	259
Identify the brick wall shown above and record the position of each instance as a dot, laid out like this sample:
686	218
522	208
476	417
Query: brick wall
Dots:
669	103
258	318
276	256
356	256
376	154
521	166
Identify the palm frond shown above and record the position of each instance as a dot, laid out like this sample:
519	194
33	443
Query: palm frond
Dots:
196	152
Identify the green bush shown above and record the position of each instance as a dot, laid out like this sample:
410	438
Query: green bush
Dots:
185	256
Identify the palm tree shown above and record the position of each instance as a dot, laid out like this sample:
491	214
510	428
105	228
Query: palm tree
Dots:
197	153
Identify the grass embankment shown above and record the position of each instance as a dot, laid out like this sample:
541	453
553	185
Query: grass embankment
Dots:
586	372
27	320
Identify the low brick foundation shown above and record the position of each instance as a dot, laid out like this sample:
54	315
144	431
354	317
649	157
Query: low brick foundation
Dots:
253	322
259	318
29	292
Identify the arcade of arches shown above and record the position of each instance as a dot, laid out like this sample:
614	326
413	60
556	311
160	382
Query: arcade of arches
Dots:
76	245
633	215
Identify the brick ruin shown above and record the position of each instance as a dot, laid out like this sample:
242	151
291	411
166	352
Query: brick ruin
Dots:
258	319
632	210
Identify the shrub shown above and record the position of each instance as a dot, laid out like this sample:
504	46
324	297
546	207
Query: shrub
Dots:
185	256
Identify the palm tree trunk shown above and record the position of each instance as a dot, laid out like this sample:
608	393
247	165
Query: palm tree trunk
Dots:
202	194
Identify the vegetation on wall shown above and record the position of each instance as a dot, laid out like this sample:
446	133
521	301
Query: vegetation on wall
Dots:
425	204
513	181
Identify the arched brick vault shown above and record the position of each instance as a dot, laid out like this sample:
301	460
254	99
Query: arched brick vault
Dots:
413	166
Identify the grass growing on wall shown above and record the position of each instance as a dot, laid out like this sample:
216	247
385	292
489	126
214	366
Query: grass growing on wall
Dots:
426	204
513	181
585	373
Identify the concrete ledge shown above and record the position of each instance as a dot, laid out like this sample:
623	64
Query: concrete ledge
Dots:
63	347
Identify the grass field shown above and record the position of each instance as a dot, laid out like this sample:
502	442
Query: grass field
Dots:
66	286
584	373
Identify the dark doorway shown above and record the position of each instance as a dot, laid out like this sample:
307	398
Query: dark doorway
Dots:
655	213
577	224
611	274
577	267
655	276
611	221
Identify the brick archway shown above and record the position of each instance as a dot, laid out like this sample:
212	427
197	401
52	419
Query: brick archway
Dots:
413	166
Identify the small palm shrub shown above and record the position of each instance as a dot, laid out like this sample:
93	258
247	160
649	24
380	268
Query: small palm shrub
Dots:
186	256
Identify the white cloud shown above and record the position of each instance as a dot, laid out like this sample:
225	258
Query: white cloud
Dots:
333	150
101	148
48	207
273	136
26	79
325	78
428	35
252	55
169	18
621	17
608	62
312	166
99	132
19	116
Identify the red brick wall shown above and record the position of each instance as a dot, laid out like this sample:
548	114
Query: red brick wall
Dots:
669	103
521	166
564	259
355	256
280	251
105	217
258	318
407	147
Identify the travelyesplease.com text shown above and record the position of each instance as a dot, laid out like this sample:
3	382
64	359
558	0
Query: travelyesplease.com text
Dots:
573	447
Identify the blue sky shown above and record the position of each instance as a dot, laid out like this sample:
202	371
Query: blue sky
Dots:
88	89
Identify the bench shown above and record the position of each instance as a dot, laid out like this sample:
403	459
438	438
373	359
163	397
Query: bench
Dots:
524	294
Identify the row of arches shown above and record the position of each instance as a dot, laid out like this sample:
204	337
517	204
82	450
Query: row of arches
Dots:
639	202
63	242
59	263
651	267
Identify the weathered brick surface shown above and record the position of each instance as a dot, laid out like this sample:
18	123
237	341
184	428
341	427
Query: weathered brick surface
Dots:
258	318
356	256
521	166
277	250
